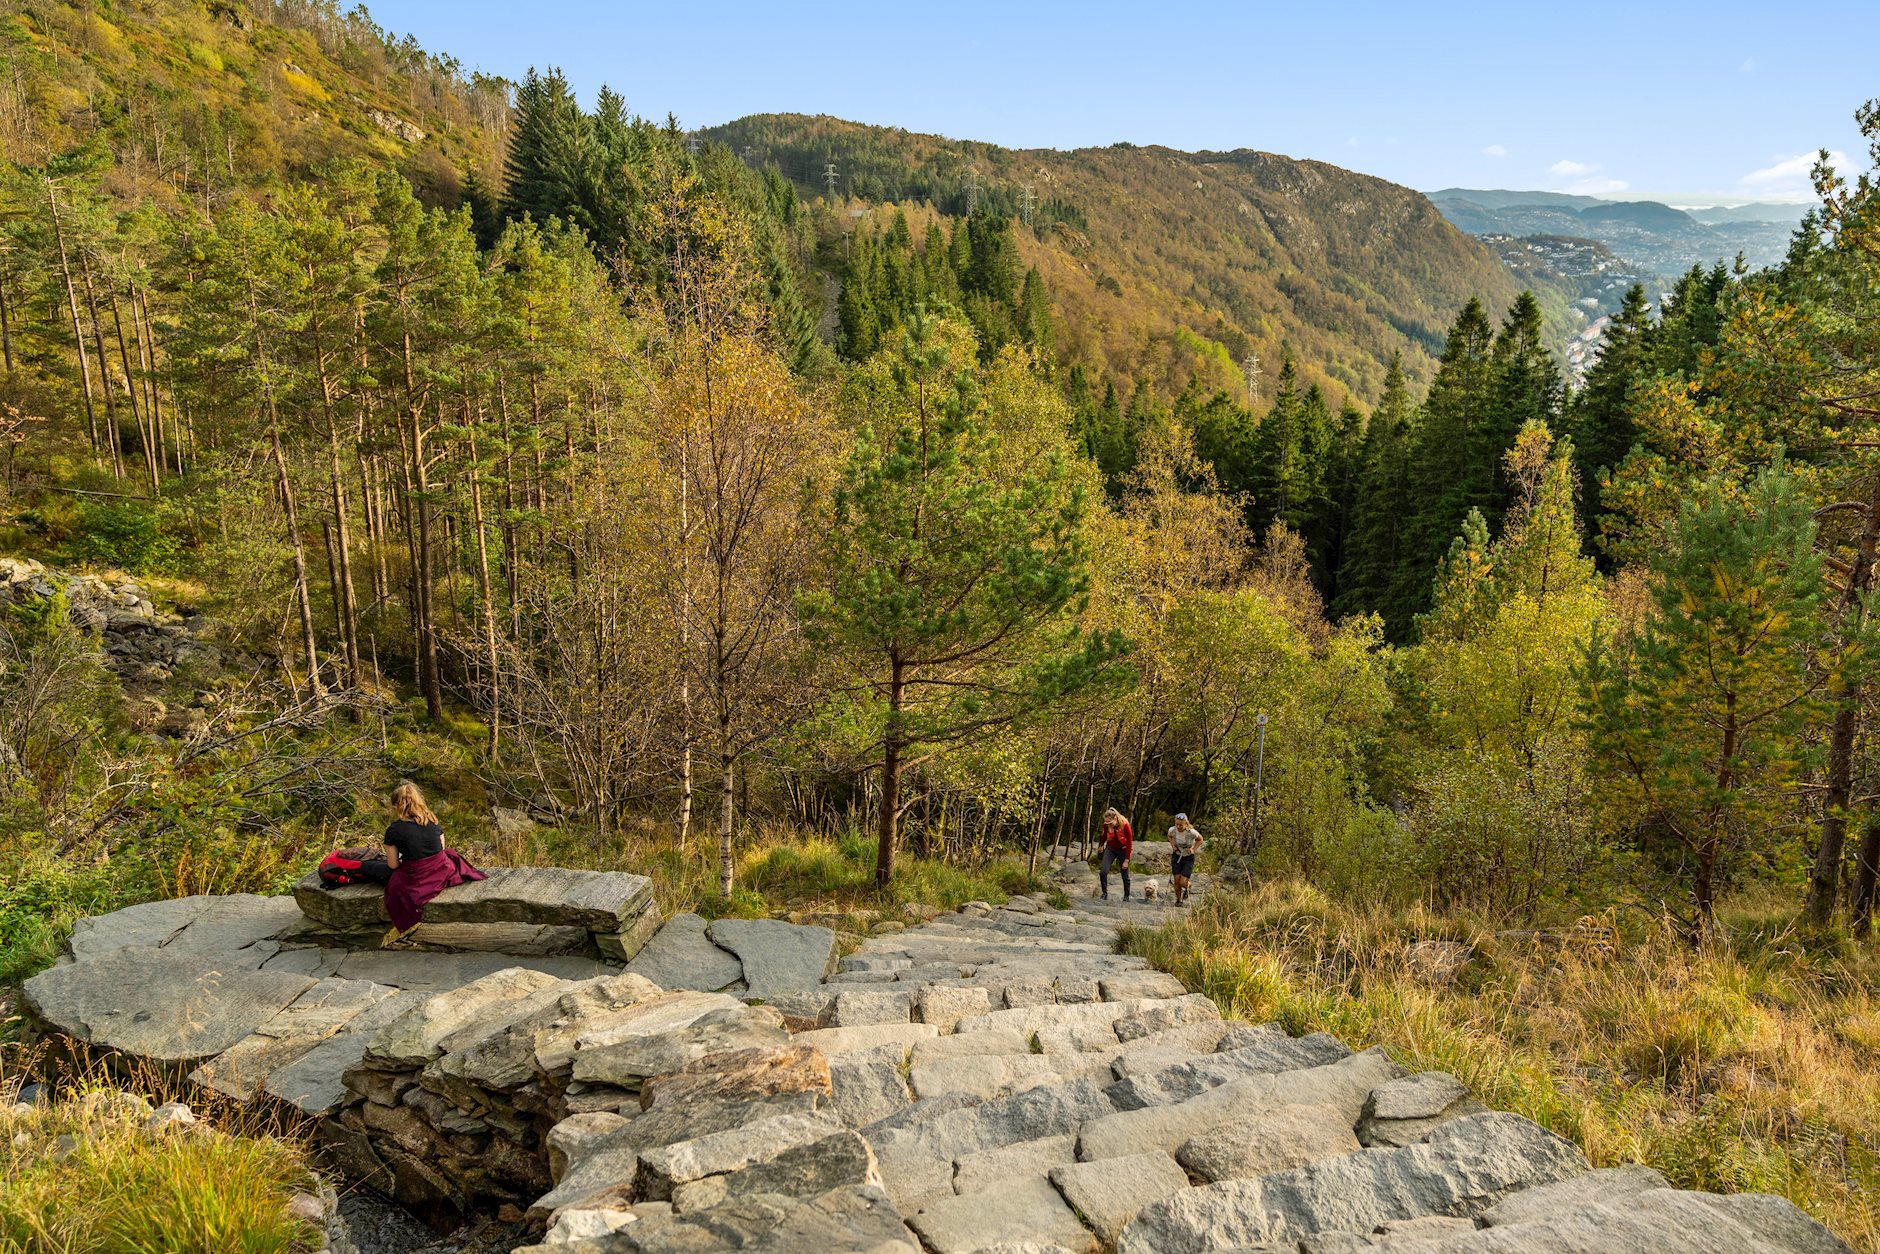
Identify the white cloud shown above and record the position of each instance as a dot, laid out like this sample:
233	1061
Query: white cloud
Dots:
1787	178
1748	66
1352	142
1586	179
1494	150
1597	187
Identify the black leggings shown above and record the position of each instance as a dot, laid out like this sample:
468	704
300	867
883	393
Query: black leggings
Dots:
1103	870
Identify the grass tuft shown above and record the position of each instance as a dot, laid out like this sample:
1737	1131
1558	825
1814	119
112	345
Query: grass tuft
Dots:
82	1176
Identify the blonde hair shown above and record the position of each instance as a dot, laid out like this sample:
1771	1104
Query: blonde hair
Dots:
408	804
1113	815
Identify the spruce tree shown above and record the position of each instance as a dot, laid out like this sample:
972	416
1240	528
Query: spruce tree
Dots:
1601	415
1448	476
1371	578
1280	487
1525	387
546	171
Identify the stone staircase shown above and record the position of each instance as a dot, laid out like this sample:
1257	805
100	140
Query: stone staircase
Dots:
992	1079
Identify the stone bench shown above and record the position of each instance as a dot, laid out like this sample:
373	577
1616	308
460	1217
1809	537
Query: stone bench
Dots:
616	907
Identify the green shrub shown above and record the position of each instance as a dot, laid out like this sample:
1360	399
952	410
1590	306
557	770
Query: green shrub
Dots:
122	535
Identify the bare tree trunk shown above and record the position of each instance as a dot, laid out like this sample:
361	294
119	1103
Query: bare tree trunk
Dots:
727	783
1866	867
345	602
487	597
104	368
685	640
429	678
6	321
889	819
145	437
71	308
1824	883
303	601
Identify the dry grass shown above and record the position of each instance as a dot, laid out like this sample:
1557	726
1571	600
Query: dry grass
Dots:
82	1176
778	869
1750	1066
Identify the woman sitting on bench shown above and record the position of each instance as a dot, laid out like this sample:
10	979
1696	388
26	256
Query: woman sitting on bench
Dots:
421	866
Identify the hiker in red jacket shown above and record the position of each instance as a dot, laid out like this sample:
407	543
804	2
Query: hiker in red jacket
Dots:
1118	841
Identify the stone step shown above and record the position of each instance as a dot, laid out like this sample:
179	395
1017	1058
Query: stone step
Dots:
1461	1171
1189	1078
1345	1084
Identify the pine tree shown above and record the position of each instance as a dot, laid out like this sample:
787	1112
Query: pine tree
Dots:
1702	714
956	580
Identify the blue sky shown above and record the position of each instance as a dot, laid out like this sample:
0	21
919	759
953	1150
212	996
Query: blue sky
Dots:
1712	101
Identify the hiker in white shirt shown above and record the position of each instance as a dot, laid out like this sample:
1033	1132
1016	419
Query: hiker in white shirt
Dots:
1185	842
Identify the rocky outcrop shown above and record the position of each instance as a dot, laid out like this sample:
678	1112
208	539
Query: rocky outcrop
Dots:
993	1079
141	642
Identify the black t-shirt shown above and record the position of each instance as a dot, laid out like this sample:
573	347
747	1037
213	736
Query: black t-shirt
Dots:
414	840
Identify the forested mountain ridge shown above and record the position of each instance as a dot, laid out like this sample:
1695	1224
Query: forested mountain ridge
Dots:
196	100
1166	265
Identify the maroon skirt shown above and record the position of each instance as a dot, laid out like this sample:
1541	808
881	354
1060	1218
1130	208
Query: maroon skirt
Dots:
414	883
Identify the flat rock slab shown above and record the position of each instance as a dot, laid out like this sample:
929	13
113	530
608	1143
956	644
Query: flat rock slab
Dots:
1600	1187
833	1041
832	1162
461	1017
1276	1140
1025	1210
163	1007
630	1063
213	926
734	1149
1110	1193
739	1074
778	957
330	1006
1646	1223
681	955
1268	1054
1466	1167
996	1168
864	1092
1344	1085
852	1218
600	901
1405	1111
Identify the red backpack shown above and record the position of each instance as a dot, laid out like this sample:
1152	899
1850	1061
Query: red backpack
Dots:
352	866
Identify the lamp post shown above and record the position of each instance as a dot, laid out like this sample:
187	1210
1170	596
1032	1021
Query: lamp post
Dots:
1259	774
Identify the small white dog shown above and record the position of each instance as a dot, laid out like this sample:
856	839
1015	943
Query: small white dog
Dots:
1148	890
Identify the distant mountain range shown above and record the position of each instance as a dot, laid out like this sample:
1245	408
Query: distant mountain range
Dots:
1652	236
